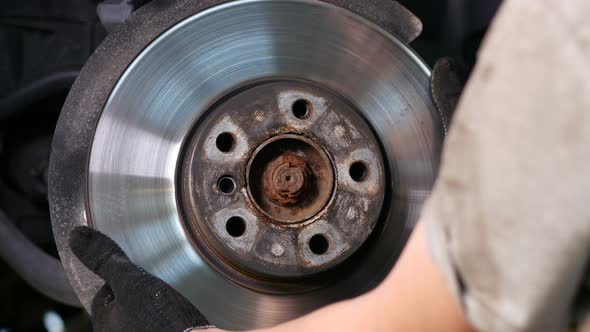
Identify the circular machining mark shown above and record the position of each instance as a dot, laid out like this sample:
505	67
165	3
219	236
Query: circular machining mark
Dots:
135	148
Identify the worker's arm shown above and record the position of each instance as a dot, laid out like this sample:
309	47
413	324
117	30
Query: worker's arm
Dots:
414	297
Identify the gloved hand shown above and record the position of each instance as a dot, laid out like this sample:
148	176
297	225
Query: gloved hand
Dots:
131	299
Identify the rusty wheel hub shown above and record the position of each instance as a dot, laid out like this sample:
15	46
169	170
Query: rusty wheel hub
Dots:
290	178
286	179
297	208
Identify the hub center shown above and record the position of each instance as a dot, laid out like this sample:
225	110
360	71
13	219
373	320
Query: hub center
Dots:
290	178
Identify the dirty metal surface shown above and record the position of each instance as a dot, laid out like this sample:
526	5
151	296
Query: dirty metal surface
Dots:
289	178
294	146
118	144
286	179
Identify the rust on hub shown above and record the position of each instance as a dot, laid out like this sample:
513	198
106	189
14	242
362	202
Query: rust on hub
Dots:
298	207
288	179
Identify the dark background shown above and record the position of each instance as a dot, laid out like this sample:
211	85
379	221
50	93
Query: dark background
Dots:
45	43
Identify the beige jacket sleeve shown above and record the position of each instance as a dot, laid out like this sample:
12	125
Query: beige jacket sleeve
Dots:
509	218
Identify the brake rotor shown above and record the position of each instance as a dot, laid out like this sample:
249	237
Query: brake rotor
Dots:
265	158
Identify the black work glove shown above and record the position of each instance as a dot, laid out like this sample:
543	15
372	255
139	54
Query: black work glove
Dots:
131	299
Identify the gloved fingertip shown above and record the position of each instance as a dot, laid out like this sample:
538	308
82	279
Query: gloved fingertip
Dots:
83	238
94	249
79	238
80	234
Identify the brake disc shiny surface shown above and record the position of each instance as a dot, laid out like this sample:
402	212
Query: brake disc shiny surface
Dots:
133	193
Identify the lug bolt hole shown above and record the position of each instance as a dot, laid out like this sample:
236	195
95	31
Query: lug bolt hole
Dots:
301	109
225	142
235	226
226	185
319	244
358	171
